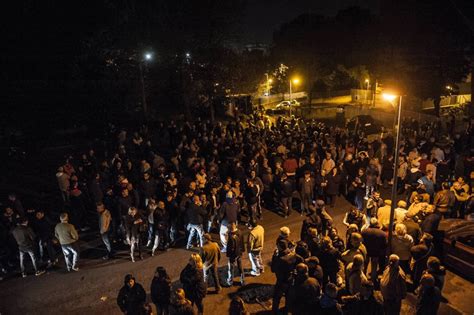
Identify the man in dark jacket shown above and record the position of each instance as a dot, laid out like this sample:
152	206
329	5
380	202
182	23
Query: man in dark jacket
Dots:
429	296
25	238
420	254
131	296
329	259
235	248
211	255
285	191
375	241
283	265
306	189
251	197
364	302
195	214
306	291
43	228
313	220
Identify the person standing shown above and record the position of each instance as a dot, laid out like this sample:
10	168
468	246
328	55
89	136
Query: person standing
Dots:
211	255
284	263
285	192
429	296
25	238
192	278
131	297
251	198
420	254
375	241
255	247
43	227
133	223
160	291
234	255
196	214
306	189
393	286
229	212
104	228
67	235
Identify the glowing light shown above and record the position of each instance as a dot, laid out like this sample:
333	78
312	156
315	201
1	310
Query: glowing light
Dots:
295	81
148	56
389	97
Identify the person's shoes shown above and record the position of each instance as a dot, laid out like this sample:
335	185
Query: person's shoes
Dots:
148	244
366	198
189	246
85	229
75	268
106	257
286	217
39	272
23	274
141	257
152	253
254	274
227	285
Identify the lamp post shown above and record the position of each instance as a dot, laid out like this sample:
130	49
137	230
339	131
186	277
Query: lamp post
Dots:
295	81
367	84
146	57
391	98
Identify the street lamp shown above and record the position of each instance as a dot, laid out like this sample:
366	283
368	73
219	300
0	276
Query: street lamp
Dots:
148	56
367	84
391	98
294	81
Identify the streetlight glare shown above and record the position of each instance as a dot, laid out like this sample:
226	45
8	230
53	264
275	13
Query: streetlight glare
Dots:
188	55
389	97
366	80
148	56
296	81
270	80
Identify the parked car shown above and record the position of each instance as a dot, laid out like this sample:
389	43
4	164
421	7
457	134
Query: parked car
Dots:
458	246
364	123
288	104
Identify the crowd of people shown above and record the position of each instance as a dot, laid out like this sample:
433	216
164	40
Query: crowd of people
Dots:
180	181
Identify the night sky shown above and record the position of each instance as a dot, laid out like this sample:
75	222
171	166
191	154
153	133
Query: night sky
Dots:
264	16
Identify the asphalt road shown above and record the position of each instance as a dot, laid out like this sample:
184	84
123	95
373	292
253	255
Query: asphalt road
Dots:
93	290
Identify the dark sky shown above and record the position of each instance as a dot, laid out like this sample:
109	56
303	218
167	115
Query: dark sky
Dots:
264	16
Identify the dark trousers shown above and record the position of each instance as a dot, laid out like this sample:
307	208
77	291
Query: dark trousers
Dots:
213	272
286	205
281	288
162	309
392	307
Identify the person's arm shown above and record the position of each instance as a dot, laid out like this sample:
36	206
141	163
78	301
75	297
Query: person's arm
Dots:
366	224
345	220
121	300
74	234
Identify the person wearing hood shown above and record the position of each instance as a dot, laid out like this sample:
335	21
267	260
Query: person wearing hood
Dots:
131	297
393	286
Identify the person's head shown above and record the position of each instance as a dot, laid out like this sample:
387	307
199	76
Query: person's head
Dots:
302	269
23	221
358	262
366	289
146	176
445	186
402	204
64	217
400	229
250	183
394	261
460	180
313	232
356	239
374	223
100	207
207	237
129	281
429	174
307	174
285	231
354	211
328	155
132	211
39	214
376	195
433	263
161	273
196	261
326	242
196	200
331	290
387	202
427	281
180	294
160	204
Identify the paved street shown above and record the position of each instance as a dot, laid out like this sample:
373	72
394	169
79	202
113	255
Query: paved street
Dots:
94	288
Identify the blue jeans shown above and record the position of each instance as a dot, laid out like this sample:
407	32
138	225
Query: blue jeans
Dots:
223	234
71	255
195	229
30	252
255	258
105	239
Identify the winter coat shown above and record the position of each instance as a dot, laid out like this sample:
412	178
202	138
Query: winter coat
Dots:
196	214
306	293
131	300
192	279
160	291
230	211
375	241
333	184
428	301
235	246
283	264
393	284
401	246
210	253
24	237
66	233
